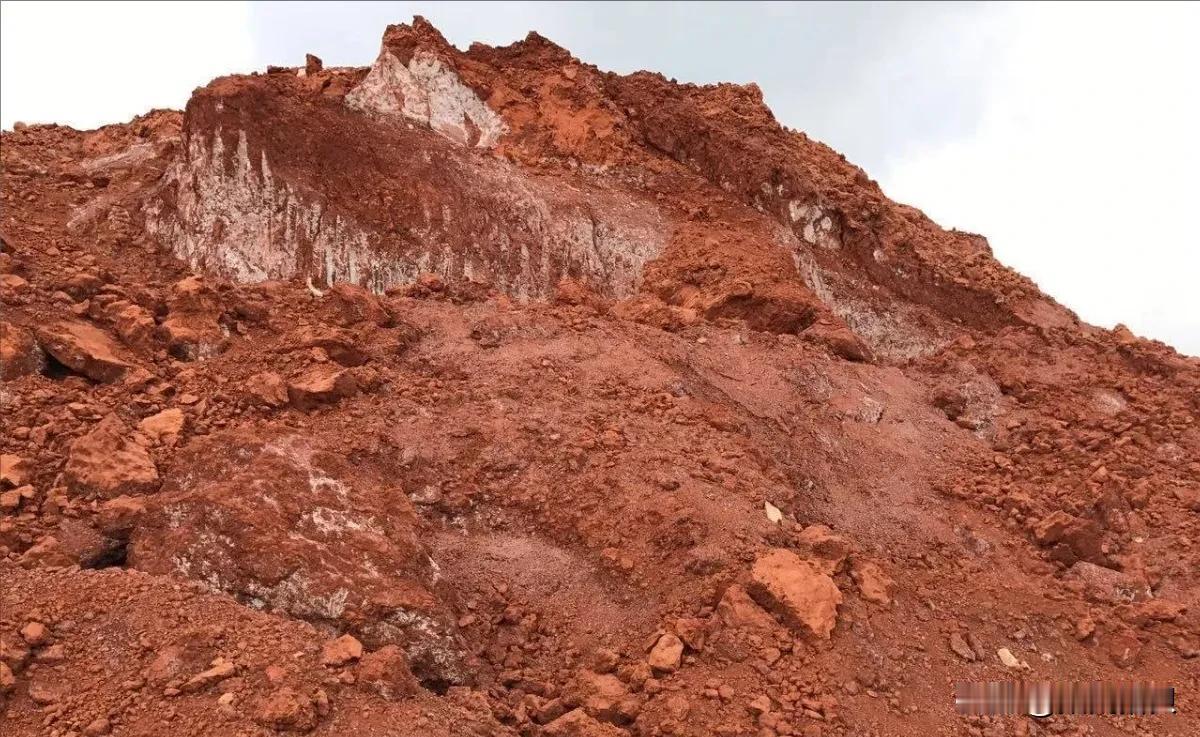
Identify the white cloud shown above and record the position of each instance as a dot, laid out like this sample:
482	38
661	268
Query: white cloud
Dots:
1083	172
87	64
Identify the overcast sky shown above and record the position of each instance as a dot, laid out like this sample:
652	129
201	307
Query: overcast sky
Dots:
1067	134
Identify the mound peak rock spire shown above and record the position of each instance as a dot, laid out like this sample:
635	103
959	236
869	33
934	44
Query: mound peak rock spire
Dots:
520	166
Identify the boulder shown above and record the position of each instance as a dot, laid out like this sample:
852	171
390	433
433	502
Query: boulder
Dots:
267	388
288	710
192	329
666	654
19	352
341	651
14	471
321	384
796	591
107	462
84	349
386	672
354	305
163	427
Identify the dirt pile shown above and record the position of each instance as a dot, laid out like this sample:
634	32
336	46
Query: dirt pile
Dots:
486	392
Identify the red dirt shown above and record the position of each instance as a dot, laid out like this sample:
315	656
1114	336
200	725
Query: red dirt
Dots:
498	364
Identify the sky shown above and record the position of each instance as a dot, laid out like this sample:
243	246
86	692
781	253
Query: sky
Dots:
1065	133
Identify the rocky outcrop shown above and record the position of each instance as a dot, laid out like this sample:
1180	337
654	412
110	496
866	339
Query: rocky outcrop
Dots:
285	527
422	84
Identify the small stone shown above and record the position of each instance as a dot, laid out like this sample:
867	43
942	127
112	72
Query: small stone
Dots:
107	462
873	584
19	352
10	501
601	694
97	727
736	609
760	704
321	384
667	654
47	551
636	674
549	711
827	550
35	634
605	660
1123	648
275	674
1009	660
774	514
961	648
221	670
341	651
1085	628
118	516
693	631
44	694
7	679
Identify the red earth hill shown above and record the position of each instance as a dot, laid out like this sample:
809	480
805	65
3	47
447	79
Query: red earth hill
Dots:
486	392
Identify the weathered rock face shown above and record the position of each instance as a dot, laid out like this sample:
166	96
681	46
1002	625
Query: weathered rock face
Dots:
282	526
108	462
250	204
